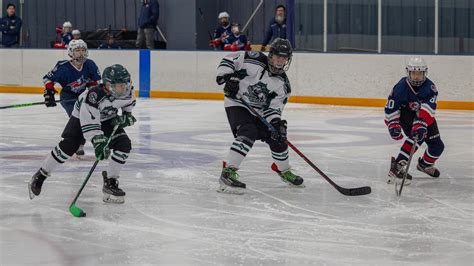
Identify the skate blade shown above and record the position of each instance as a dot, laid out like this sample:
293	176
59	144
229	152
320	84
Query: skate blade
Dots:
230	190
80	157
113	199
31	194
293	185
399	182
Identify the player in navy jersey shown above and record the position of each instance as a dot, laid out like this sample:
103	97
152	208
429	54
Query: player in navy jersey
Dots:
236	41
222	32
73	76
66	35
411	108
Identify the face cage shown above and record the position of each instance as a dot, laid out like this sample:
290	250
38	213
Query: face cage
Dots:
276	70
125	95
84	58
416	83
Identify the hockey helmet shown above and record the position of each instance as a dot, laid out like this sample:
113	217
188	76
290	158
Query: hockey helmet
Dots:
117	80
74	50
279	58
419	66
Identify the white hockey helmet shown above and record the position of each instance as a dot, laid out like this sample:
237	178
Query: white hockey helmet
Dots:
76	32
67	24
223	15
416	64
76	44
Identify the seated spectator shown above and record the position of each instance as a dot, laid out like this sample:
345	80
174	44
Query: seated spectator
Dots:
76	34
110	44
221	32
236	41
277	26
10	26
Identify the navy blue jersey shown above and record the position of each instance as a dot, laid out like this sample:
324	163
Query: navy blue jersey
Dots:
222	33
66	38
405	97
240	41
71	79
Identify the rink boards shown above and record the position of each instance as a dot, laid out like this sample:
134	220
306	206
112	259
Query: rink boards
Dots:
339	79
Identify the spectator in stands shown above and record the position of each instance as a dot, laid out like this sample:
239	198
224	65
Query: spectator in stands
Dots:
222	31
236	41
110	44
76	34
66	35
277	26
10	26
147	23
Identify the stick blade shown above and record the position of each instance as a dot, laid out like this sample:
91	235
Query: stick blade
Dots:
76	211
355	191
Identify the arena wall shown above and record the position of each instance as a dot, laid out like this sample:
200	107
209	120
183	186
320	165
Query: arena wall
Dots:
339	79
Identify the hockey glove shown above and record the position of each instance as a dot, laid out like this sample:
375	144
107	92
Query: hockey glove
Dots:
279	134
231	87
124	120
419	129
395	130
49	100
102	151
215	43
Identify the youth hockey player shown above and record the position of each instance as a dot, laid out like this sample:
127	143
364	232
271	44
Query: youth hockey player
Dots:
66	33
73	76
94	116
222	31
411	108
261	81
236	41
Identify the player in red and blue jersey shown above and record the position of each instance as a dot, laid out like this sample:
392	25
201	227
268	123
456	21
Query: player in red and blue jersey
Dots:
74	76
236	41
411	108
222	31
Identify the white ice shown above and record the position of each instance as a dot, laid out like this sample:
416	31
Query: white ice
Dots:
173	214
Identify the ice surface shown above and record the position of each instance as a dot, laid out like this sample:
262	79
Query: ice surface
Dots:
173	215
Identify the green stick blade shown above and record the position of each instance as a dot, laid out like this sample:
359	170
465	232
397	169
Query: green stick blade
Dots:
76	211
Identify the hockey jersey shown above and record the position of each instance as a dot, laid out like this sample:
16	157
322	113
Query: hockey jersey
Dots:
265	92
95	106
222	33
239	41
405	97
71	79
66	38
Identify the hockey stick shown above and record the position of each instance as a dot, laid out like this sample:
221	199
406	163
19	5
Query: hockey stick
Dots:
204	22
32	104
398	192
345	191
73	209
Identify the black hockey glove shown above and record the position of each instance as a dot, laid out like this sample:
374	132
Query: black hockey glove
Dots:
231	87
49	100
279	135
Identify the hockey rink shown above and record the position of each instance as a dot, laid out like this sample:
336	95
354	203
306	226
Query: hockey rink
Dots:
173	214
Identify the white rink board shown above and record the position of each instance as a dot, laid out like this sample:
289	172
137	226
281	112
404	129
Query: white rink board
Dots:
27	67
311	74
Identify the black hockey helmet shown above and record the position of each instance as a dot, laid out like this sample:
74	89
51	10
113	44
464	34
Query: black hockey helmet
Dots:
281	48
